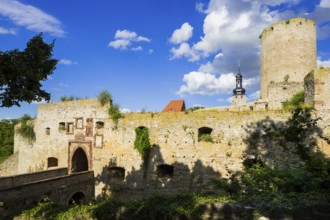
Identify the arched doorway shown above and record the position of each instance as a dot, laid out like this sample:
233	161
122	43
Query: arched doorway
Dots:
79	161
77	198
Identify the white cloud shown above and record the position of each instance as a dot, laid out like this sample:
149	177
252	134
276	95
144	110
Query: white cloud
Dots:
184	50
254	96
67	62
325	3
231	33
207	84
30	17
7	31
124	39
43	101
125	110
139	48
323	63
182	35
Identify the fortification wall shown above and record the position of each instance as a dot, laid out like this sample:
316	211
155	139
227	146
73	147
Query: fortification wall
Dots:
287	48
175	140
282	91
51	138
317	89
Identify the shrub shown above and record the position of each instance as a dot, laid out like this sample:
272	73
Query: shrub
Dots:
104	97
206	138
296	101
115	114
26	129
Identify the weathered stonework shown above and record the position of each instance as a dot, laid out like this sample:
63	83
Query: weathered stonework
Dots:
287	48
317	87
238	100
79	135
282	91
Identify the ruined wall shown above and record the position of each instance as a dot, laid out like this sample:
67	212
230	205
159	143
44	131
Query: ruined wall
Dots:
9	166
287	48
317	89
281	91
175	140
51	138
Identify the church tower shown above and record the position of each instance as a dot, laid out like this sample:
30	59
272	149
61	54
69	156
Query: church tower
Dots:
239	97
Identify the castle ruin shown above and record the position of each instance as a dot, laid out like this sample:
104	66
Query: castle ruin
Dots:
79	135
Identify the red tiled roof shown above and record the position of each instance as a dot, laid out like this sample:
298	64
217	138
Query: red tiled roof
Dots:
175	106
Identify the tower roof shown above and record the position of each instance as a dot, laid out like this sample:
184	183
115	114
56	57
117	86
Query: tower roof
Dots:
239	90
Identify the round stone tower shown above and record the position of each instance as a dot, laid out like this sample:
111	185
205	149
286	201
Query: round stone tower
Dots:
288	53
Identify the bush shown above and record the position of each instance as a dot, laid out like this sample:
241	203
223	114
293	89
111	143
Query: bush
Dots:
104	97
297	100
115	114
26	129
206	138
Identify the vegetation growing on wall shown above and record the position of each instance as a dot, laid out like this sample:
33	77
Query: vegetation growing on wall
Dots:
69	98
155	207
284	185
26	129
104	97
296	101
6	138
206	138
142	143
115	114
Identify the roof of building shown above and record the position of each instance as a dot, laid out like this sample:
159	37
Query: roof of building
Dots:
175	106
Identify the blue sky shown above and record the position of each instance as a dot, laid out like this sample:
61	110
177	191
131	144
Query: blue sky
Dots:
148	52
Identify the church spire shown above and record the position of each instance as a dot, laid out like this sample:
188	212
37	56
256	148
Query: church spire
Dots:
239	90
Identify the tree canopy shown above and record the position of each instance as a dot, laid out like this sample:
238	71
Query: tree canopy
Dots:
21	72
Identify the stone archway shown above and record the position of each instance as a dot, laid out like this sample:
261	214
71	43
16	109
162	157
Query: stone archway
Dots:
79	161
80	154
77	198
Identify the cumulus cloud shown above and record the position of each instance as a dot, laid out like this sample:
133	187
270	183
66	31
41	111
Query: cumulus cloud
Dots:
323	63
183	34
184	50
124	39
231	33
325	3
30	17
67	62
206	83
7	31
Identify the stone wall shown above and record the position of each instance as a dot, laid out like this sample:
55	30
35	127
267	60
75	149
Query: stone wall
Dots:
175	140
51	138
317	87
238	100
9	166
282	91
287	48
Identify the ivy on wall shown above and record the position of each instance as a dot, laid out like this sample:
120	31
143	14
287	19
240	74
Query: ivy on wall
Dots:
142	143
26	129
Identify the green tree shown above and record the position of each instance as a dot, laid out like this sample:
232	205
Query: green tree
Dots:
6	138
21	72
